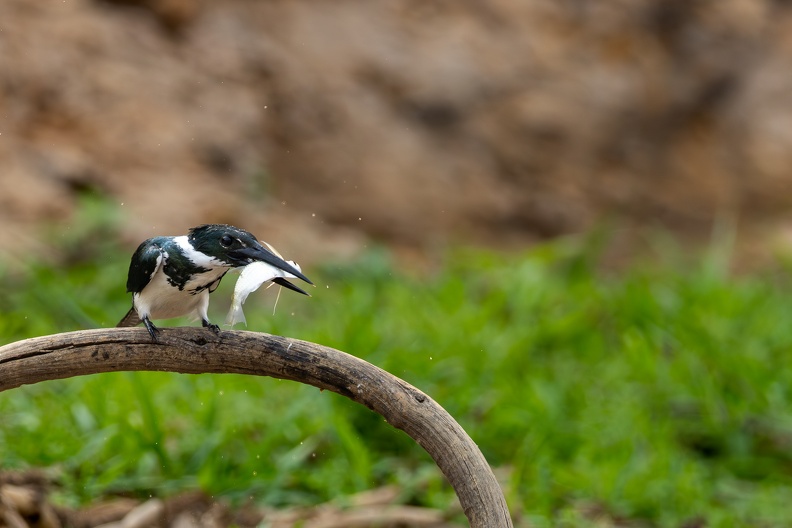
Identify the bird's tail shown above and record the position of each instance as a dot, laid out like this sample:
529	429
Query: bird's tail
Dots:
130	319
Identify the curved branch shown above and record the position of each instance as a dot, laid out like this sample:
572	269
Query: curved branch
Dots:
197	351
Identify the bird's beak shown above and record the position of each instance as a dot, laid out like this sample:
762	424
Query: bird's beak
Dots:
261	254
286	284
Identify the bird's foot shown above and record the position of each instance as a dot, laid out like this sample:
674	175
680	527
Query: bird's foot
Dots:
213	327
152	330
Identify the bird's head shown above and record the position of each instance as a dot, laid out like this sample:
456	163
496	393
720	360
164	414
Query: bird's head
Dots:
236	247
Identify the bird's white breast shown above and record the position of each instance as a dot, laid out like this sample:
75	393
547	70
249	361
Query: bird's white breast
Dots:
162	300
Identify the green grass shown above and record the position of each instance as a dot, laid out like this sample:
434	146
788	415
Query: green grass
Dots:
660	394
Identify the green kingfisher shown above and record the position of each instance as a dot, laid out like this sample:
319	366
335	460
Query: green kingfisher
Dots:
172	276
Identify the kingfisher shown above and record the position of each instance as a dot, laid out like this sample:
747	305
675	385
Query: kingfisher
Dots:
172	276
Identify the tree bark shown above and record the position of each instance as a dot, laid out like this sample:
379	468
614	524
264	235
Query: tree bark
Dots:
198	351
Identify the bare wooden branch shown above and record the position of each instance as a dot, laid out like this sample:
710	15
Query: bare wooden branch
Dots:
198	351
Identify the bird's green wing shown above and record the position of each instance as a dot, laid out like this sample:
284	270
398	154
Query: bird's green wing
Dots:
145	262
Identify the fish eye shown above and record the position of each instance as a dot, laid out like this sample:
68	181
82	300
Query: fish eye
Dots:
226	240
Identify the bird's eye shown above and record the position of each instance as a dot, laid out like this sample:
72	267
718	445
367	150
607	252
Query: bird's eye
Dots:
226	240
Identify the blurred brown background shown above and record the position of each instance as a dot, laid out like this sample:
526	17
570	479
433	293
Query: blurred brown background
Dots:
320	125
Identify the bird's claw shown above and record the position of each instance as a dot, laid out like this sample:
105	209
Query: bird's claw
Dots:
152	330
213	327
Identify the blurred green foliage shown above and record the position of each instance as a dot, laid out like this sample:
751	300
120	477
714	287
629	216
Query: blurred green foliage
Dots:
659	394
